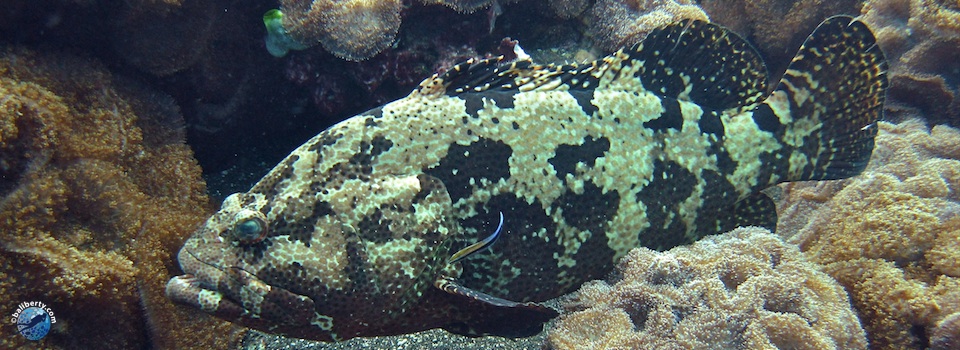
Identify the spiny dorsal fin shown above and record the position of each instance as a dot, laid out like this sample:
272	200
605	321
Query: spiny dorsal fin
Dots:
477	75
691	60
699	62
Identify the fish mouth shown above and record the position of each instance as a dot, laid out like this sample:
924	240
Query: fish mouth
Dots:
236	295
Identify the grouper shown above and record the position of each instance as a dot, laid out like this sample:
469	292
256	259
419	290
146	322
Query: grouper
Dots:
498	184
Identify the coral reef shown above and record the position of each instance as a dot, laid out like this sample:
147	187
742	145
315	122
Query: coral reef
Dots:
97	193
437	42
465	6
618	23
776	27
891	236
354	30
743	289
921	39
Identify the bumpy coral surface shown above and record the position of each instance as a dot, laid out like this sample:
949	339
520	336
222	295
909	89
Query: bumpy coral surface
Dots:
618	23
921	39
745	289
356	30
97	193
891	236
353	29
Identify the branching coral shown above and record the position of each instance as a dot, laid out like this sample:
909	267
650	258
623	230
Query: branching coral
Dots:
921	39
891	236
618	23
97	193
743	289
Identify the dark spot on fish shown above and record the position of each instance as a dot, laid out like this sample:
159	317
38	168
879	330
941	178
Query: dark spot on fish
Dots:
590	210
583	98
717	190
669	185
710	123
374	228
766	120
474	101
671	118
725	164
256	250
567	156
356	259
327	138
370	150
295	230
483	159
321	209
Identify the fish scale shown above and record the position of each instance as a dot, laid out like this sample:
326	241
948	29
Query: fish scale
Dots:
386	222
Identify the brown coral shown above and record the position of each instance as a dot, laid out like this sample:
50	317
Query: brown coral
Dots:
352	29
742	289
921	39
618	23
891	235
98	192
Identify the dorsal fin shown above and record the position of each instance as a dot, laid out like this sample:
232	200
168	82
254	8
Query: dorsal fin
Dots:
700	62
475	75
690	60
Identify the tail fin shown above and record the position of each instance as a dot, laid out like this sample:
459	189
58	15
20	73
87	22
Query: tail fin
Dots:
827	104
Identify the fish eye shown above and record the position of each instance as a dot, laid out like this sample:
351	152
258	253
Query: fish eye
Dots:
250	227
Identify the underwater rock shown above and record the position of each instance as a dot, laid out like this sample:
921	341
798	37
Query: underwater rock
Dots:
947	334
164	39
618	23
921	39
891	236
745	288
97	191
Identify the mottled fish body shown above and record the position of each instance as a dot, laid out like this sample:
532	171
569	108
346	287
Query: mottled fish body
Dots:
382	224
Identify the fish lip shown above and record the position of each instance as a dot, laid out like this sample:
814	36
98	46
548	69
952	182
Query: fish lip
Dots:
206	279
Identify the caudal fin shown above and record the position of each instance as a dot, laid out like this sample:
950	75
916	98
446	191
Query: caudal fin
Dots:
826	106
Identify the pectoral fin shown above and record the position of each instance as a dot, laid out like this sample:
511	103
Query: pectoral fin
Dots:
490	315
